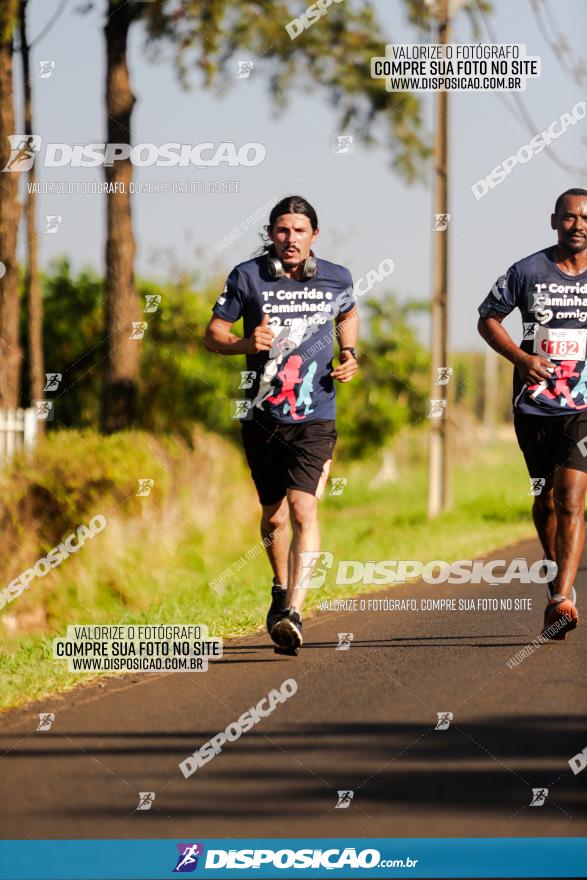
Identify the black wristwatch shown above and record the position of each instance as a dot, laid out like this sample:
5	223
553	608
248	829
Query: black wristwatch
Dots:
351	349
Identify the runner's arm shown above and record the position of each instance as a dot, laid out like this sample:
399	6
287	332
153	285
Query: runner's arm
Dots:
219	338
532	368
347	331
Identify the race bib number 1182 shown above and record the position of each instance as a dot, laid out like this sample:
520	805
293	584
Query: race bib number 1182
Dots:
560	344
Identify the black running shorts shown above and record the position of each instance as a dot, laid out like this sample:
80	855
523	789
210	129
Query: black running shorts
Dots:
549	442
283	456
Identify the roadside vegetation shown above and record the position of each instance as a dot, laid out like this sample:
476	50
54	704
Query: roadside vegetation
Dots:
156	558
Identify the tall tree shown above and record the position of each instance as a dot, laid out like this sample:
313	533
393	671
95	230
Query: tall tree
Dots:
334	53
10	352
32	279
121	298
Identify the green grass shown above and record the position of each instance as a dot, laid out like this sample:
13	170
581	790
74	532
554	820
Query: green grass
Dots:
146	575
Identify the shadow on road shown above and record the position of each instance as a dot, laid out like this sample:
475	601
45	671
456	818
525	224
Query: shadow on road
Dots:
398	642
487	768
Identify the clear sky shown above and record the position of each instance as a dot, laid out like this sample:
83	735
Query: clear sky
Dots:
366	212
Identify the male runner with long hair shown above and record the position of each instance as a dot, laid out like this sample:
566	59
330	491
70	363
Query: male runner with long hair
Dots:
550	390
289	299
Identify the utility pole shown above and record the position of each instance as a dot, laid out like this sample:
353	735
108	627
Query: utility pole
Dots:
439	492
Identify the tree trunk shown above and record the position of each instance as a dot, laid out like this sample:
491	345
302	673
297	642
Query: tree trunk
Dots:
10	353
122	304
32	281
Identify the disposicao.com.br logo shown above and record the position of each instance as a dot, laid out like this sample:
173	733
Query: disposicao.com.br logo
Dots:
328	859
24	150
315	565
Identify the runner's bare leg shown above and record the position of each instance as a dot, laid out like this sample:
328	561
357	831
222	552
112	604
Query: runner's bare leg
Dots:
275	533
303	509
544	516
569	500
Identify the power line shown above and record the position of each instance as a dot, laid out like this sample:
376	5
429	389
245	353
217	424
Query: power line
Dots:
49	24
558	43
47	28
521	113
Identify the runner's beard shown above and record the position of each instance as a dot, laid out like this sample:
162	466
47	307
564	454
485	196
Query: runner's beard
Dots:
291	263
576	246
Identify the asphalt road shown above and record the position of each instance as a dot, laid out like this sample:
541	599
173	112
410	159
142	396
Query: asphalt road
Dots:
361	720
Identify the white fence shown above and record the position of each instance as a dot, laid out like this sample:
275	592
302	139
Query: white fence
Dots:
18	430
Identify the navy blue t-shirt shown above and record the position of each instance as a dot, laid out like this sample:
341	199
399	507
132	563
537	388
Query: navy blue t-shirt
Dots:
553	306
291	382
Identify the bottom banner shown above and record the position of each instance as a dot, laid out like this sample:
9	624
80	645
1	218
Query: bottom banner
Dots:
281	857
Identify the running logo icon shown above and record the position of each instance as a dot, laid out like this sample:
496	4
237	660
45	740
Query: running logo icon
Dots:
437	409
138	329
244	69
187	860
46	719
43	410
344	800
539	796
152	302
52	381
312	576
247	379
537	484
441	222
46	69
23	148
538	301
343	144
338	485
52	223
344	641
241	409
444	719
146	799
443	375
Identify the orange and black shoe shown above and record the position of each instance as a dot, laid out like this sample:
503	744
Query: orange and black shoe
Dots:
560	617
